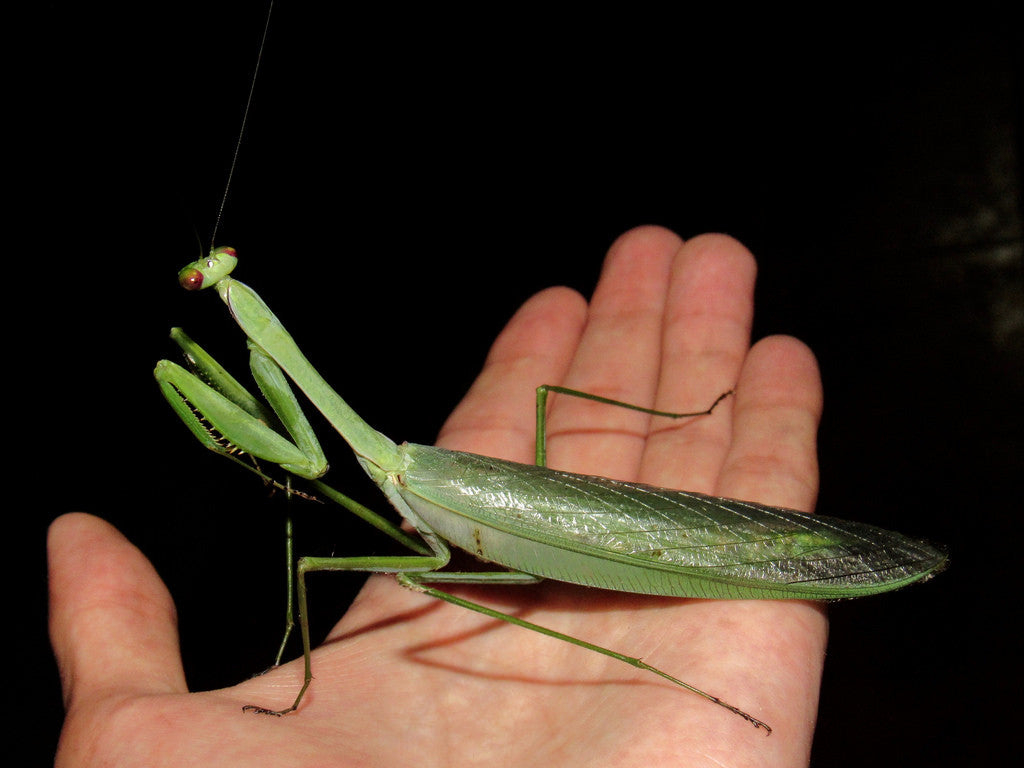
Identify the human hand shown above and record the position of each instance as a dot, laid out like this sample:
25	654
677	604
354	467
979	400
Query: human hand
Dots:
406	679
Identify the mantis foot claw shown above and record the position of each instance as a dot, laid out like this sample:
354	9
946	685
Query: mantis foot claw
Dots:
265	711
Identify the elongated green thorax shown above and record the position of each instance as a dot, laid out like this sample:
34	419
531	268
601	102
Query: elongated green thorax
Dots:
264	329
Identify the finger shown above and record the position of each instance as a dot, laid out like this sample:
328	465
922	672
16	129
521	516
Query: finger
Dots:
497	415
773	455
706	334
112	621
618	357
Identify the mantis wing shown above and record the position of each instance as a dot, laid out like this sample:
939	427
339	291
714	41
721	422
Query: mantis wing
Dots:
627	536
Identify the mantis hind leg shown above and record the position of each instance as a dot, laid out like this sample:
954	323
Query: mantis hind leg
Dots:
542	402
419	581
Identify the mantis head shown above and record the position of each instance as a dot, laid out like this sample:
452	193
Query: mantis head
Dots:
209	270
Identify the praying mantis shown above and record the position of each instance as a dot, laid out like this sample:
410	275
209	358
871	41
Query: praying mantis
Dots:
534	522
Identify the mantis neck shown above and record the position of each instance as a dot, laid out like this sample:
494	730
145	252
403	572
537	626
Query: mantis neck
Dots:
264	329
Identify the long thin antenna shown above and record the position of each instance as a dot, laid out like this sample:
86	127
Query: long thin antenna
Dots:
241	131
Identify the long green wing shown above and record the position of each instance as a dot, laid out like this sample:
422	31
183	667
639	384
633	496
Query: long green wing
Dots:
639	538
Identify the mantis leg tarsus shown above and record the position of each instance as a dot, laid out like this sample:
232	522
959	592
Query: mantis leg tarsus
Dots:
274	712
261	711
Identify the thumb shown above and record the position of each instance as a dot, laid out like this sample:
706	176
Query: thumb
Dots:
112	621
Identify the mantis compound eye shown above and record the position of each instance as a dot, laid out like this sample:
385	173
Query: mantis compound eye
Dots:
190	278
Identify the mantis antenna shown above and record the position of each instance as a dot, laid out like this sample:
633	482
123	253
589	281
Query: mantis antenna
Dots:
241	130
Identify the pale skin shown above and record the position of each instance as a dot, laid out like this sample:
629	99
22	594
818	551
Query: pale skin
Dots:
406	680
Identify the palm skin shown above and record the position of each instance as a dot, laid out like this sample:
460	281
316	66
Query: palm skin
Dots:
406	680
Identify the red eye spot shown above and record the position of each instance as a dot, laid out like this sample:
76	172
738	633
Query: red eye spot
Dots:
190	279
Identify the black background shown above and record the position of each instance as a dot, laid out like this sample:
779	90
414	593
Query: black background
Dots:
408	178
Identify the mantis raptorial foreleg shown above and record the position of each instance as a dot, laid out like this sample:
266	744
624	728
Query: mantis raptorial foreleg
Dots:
226	418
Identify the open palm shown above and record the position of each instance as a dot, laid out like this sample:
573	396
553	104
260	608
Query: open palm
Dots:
406	680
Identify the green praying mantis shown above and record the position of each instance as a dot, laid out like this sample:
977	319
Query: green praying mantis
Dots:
534	522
